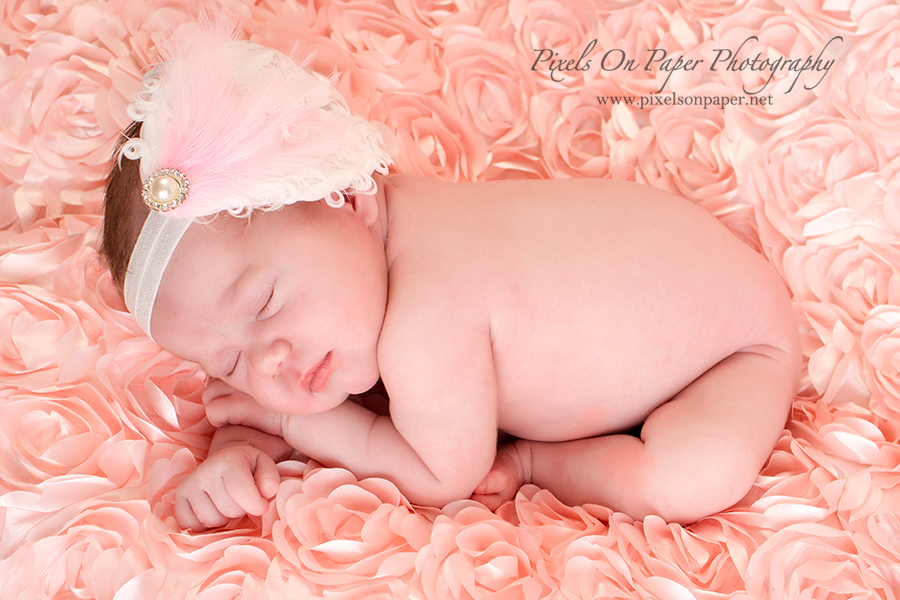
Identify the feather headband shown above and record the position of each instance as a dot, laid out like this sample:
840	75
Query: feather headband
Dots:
233	126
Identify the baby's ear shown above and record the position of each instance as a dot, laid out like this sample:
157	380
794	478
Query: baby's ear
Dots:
366	207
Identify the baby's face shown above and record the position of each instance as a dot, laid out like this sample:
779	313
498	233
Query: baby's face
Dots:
288	309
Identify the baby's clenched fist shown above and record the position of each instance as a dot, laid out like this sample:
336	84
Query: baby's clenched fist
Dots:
235	480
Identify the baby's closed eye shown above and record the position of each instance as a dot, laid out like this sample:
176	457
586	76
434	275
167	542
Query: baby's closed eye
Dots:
265	312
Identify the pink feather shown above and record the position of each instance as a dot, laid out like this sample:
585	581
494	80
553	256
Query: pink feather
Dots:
250	128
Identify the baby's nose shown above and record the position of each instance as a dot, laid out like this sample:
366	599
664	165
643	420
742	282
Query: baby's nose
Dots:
266	361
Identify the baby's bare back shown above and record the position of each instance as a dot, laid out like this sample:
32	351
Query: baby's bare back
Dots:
602	298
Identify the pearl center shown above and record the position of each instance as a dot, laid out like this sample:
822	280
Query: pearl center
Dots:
165	189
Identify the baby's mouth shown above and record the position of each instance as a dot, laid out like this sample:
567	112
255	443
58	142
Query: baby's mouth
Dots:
316	378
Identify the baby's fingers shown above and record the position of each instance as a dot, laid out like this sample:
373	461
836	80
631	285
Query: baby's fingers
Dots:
230	410
242	489
215	388
495	481
198	512
241	409
266	475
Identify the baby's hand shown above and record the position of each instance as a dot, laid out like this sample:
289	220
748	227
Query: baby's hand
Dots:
228	406
236	480
511	470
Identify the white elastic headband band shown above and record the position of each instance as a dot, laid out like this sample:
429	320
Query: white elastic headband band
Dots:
157	241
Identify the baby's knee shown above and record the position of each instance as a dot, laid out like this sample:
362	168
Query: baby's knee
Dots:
685	489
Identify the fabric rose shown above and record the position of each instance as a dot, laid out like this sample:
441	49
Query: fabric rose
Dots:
322	54
549	521
849	436
240	573
37	255
889	181
710	10
870	505
881	341
283	582
628	35
146	24
511	163
434	15
745	34
837	445
489	87
851	19
591	567
687	151
864	89
40	336
831	340
336	531
8	189
475	553
157	394
575	545
666	560
819	559
580	137
397	54
94	554
55	434
552	31
432	140
856	278
51	107
819	183
867	494
22	18
790	489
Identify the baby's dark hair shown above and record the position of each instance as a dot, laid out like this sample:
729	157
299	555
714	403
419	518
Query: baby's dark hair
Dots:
124	212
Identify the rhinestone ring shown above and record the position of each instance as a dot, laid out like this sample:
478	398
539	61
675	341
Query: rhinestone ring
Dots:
165	189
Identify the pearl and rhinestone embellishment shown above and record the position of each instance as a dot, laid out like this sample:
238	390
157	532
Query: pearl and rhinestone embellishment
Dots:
165	189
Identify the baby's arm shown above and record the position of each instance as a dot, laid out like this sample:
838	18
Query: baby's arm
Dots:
439	441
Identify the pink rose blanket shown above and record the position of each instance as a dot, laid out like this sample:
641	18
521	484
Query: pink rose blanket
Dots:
781	117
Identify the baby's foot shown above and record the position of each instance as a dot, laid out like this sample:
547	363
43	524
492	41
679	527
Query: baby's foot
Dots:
511	469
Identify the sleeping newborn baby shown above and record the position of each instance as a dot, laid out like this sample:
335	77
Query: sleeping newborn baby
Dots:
561	313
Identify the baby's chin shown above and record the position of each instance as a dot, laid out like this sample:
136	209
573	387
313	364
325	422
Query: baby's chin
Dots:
359	381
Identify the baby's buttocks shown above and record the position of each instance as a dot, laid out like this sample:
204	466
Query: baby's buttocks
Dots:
602	298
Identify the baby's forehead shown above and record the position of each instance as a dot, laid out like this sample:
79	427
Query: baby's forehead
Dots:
213	245
207	250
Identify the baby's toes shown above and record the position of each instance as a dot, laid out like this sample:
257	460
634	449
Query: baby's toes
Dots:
496	481
498	487
494	501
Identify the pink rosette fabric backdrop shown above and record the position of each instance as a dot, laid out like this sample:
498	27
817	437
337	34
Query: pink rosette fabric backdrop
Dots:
98	425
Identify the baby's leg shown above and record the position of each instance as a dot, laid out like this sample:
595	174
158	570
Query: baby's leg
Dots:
698	454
